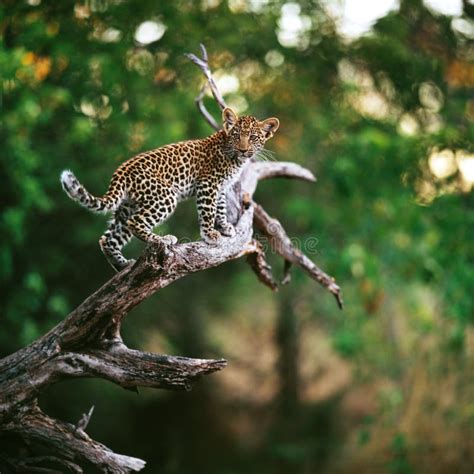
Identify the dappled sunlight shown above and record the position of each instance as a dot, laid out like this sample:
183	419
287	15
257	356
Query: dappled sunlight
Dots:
465	163
107	35
241	6
362	94
274	58
375	97
140	60
239	104
81	11
445	7
408	125
463	27
226	82
229	83
442	163
371	104
150	31
431	96
209	4
293	26
98	107
452	171
355	17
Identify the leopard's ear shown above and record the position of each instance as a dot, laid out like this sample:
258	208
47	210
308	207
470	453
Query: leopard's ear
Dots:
229	119
269	126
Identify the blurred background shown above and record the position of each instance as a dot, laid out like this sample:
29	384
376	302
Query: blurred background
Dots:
376	98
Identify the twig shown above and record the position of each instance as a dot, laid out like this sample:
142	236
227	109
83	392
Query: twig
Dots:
203	64
205	113
84	419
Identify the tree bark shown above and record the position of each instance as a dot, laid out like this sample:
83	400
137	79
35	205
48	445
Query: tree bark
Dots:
87	343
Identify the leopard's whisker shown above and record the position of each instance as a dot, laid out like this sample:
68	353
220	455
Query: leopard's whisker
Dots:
266	155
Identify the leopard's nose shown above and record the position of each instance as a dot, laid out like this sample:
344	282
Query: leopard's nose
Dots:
243	150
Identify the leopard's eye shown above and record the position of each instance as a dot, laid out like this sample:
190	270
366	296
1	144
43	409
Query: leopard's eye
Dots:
253	136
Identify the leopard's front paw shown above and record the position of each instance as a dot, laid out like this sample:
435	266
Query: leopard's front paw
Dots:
228	230
164	239
169	239
212	237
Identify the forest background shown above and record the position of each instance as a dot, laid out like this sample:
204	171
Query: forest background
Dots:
383	117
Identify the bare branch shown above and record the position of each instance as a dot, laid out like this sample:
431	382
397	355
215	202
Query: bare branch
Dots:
62	439
88	343
282	169
262	269
281	243
203	64
84	420
130	368
205	113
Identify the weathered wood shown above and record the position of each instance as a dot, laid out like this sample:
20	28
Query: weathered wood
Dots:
281	244
258	263
67	443
87	343
203	64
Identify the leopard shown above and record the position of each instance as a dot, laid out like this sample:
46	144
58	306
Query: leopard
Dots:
145	190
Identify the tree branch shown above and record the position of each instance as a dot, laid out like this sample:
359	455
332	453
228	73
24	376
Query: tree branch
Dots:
260	266
199	100
67	443
281	243
131	368
87	343
203	64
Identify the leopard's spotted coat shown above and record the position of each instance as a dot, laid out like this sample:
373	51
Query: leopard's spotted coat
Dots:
145	190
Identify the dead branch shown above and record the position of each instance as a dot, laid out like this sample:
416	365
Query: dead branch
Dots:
87	343
67	445
260	266
203	64
281	243
202	109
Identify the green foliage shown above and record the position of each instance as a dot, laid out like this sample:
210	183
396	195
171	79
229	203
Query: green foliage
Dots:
400	463
347	341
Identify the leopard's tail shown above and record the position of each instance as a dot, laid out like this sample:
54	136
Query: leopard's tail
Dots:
110	201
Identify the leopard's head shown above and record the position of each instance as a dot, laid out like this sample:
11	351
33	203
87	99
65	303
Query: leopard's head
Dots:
246	136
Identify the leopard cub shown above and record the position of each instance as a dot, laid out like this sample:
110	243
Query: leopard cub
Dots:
145	190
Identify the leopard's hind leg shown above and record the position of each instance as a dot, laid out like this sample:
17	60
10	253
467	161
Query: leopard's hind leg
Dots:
152	211
116	237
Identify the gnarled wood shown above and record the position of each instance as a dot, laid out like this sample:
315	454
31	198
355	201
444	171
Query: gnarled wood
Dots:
281	244
87	343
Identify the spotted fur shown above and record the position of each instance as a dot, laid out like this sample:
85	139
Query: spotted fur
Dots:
145	190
